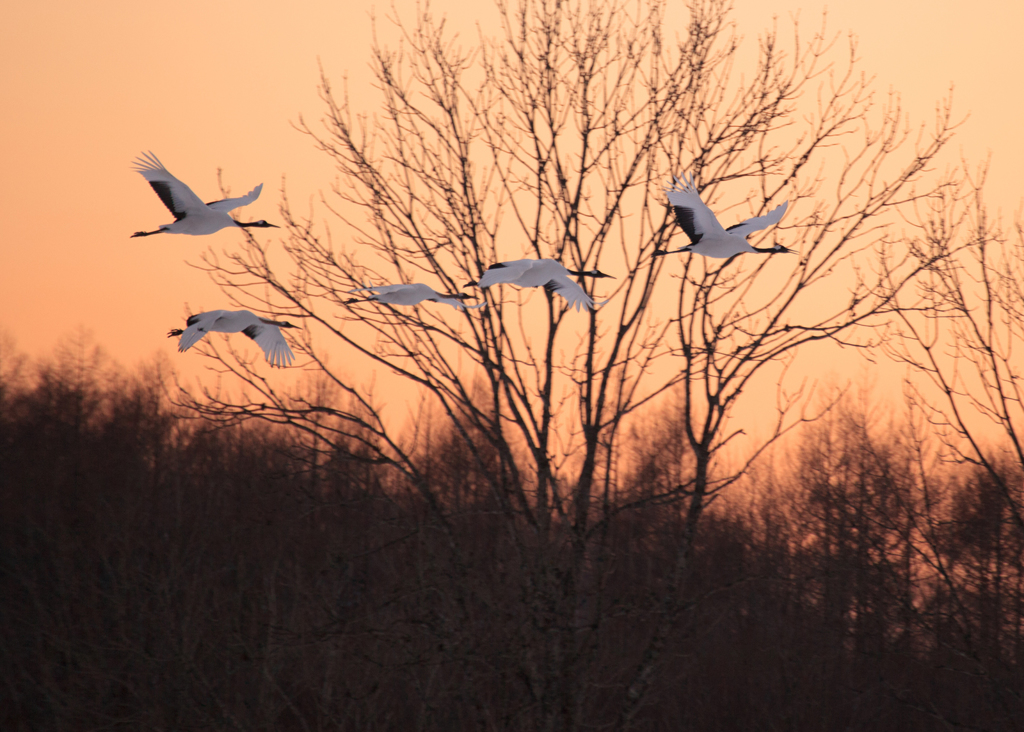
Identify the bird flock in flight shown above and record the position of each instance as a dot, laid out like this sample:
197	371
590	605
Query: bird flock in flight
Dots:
192	216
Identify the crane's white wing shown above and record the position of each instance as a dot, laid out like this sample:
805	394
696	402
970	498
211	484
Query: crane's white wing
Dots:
571	291
177	196
271	340
745	228
189	337
387	289
692	214
505	272
377	289
458	304
197	326
411	294
230	204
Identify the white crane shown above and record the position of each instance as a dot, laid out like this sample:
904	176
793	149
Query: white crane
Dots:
412	295
545	273
266	333
707	236
191	215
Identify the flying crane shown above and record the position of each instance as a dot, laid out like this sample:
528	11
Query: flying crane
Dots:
266	333
191	215
546	273
412	295
707	236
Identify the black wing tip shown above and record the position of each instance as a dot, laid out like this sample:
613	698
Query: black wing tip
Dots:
164	191
685	219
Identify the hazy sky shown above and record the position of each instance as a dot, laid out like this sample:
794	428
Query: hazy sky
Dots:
87	86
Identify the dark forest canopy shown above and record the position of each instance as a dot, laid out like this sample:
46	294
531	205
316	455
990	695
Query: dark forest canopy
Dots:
163	572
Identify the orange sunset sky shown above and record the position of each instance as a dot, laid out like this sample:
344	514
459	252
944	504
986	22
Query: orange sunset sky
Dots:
87	86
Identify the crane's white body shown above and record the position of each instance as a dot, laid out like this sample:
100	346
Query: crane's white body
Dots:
266	333
545	273
707	236
191	215
412	294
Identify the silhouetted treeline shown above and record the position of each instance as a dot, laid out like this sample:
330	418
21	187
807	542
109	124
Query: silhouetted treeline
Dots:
161	572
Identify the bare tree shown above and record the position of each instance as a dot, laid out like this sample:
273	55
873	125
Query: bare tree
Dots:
960	330
556	139
957	332
908	567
